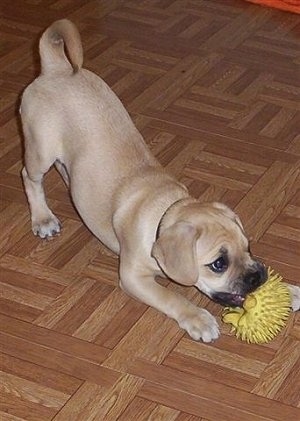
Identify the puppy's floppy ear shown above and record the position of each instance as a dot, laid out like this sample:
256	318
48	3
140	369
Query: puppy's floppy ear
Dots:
175	252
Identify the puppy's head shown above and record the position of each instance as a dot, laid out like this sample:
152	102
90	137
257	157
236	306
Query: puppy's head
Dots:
205	245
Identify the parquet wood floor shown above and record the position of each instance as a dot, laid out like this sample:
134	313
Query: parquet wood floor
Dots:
214	88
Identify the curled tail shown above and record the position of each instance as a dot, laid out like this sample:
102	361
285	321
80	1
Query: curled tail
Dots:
60	36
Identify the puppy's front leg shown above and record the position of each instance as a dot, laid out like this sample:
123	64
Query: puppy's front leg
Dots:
198	322
295	296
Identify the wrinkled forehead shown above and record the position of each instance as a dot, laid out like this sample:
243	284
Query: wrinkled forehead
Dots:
225	237
235	233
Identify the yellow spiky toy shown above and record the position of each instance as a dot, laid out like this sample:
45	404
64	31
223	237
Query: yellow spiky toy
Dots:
264	312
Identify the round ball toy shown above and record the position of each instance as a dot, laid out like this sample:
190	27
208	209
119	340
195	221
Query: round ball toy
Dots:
264	313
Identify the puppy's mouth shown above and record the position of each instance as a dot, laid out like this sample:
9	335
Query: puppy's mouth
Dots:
228	299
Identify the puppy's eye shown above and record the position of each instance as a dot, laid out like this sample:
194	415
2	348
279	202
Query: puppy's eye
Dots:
220	265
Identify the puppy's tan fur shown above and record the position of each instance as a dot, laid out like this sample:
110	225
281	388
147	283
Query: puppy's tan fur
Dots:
72	119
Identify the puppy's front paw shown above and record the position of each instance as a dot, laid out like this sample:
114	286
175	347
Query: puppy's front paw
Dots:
200	324
295	294
47	227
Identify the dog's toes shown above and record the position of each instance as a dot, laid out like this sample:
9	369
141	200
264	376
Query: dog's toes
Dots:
201	325
295	295
46	228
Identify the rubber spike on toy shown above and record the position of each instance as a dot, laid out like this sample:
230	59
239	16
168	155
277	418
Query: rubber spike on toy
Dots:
264	313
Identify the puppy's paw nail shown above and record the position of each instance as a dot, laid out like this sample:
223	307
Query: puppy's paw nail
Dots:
200	325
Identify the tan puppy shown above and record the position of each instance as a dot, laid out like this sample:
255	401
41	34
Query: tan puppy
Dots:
72	119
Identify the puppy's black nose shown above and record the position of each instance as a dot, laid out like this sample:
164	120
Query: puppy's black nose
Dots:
254	279
257	277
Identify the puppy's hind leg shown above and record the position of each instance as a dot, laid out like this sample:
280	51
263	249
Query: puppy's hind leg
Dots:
44	223
63	172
